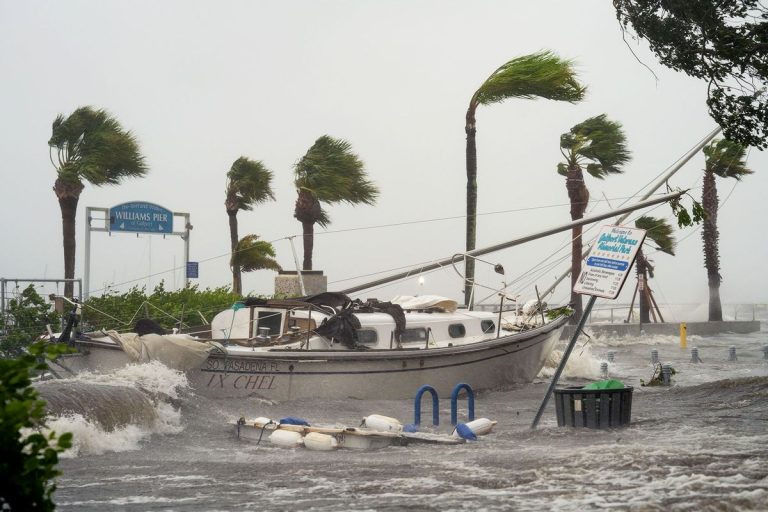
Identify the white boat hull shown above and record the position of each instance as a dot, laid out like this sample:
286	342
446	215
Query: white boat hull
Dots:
369	374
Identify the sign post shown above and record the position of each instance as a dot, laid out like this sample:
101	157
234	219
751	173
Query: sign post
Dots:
134	217
603	275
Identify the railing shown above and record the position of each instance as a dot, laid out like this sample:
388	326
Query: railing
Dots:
619	313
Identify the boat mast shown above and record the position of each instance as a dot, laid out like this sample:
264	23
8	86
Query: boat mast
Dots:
517	241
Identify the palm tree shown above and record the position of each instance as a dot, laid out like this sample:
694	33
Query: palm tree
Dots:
726	159
599	144
539	75
90	146
328	173
660	232
252	254
249	183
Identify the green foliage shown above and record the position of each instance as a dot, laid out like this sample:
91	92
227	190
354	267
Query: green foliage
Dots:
658	230
722	42
27	462
91	145
24	321
598	142
254	254
558	312
249	182
684	218
120	311
333	173
726	159
538	75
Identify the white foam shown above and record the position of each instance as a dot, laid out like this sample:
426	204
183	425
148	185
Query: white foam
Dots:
154	377
90	438
581	364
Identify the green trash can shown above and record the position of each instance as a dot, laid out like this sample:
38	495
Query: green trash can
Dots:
593	408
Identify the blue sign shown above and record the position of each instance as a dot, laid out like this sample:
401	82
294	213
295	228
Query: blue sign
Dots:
621	266
192	268
140	217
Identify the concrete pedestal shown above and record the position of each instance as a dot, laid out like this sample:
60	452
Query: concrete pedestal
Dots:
287	283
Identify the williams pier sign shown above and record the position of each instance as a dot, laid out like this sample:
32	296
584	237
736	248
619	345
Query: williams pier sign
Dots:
140	217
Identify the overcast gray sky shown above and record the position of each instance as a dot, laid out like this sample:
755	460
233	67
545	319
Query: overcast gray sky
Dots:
202	83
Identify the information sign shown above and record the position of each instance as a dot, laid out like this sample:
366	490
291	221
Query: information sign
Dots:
192	269
606	268
140	217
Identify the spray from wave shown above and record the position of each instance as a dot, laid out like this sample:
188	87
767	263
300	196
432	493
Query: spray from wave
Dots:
115	411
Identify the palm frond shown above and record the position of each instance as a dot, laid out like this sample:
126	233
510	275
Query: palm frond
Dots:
333	173
726	159
658	230
253	254
249	182
599	141
93	146
538	75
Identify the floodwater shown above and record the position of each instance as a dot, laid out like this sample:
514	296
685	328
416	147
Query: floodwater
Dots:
699	445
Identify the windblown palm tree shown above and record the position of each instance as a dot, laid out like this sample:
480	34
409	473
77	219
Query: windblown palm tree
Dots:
249	183
252	254
539	75
660	232
725	159
598	145
90	146
328	173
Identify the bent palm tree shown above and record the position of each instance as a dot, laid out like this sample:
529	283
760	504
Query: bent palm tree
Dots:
328	173
599	144
90	146
539	75
660	232
725	159
249	183
252	254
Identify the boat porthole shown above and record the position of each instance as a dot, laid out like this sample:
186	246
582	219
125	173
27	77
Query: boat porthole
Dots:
290	368
404	364
421	363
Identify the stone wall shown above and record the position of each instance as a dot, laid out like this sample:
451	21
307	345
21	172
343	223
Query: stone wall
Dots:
287	283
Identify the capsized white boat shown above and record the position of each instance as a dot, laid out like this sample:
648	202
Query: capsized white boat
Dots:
328	346
327	438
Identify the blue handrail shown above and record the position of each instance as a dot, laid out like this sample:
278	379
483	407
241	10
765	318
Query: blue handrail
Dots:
417	405
470	402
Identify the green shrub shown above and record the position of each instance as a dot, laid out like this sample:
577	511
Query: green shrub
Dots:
27	462
24	322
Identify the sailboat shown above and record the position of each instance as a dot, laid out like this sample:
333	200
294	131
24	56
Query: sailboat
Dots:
331	347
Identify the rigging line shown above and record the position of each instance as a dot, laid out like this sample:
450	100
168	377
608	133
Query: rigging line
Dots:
385	285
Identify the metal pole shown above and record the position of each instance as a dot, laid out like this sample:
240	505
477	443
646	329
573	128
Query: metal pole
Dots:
298	267
566	354
518	241
2	299
87	263
187	232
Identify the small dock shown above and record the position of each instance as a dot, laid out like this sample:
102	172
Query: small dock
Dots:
629	330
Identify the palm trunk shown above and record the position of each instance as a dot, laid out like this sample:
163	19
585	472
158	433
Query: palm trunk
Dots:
471	238
237	282
308	229
642	285
68	195
579	197
710	235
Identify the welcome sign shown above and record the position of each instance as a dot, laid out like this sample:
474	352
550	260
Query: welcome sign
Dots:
609	261
140	217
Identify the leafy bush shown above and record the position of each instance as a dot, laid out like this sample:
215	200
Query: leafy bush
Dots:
187	306
27	462
24	322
